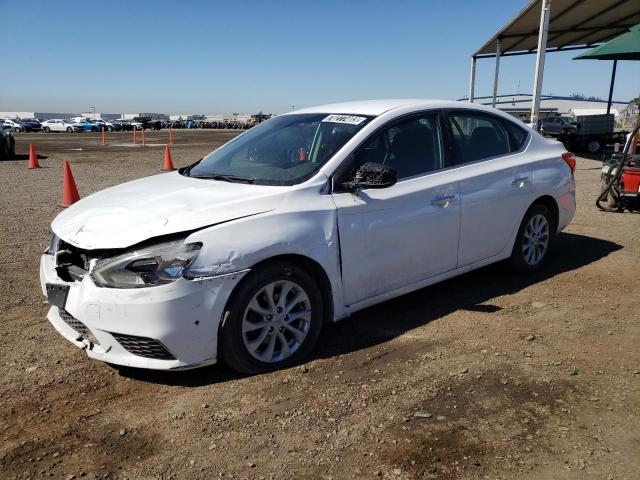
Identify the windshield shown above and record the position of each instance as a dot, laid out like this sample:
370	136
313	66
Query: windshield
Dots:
282	151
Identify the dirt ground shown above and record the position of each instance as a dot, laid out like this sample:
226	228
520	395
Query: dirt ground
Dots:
489	375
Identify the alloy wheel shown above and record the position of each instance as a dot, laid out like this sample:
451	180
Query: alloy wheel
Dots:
276	321
535	240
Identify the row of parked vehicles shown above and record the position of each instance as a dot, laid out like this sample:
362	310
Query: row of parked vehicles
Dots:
79	124
83	124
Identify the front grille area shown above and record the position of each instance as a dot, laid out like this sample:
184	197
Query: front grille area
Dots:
143	346
77	325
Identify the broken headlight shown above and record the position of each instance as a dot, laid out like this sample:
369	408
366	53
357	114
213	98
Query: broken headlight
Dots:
147	267
53	245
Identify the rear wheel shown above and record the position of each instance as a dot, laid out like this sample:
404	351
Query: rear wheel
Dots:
534	239
69	129
594	145
272	321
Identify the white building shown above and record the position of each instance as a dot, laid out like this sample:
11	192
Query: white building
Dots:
519	105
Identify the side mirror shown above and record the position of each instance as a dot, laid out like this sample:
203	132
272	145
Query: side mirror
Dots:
373	175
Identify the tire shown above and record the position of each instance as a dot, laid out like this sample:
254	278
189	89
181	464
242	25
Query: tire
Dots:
17	129
536	231
46	129
610	201
594	145
69	129
299	335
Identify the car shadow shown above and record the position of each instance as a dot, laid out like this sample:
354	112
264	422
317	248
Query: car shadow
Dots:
390	319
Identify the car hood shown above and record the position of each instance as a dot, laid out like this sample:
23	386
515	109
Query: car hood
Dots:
132	212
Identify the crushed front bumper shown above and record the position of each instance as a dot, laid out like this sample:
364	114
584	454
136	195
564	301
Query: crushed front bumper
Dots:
173	326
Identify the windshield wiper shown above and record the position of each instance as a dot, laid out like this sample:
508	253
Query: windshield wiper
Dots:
185	170
227	178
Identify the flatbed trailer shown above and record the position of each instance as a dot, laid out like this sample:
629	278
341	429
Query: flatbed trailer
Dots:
592	133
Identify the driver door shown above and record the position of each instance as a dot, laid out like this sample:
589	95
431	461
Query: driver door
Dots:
396	236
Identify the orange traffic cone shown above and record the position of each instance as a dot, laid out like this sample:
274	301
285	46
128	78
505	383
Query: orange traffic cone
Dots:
69	191
168	163
33	158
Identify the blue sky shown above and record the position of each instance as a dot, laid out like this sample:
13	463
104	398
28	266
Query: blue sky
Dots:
250	55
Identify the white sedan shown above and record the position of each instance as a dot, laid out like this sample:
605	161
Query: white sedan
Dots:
302	220
59	125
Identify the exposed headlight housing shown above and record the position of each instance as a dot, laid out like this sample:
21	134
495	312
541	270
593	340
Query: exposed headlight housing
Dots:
147	267
53	245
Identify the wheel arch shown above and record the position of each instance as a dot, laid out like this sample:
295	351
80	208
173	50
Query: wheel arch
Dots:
306	263
552	205
313	268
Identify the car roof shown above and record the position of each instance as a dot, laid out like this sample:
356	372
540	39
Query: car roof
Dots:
378	107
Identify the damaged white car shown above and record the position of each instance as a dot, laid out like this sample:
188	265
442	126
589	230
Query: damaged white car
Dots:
300	221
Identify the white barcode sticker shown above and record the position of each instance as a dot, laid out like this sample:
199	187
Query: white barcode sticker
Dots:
350	119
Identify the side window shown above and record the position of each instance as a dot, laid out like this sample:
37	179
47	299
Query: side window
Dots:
411	147
517	136
478	136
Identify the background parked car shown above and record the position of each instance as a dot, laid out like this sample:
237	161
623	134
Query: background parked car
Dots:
60	125
32	123
108	126
15	125
7	143
147	123
555	126
124	125
89	126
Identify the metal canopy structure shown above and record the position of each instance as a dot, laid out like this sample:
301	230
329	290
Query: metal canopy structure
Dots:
555	26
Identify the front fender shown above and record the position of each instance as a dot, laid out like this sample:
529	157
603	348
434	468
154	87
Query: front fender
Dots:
240	244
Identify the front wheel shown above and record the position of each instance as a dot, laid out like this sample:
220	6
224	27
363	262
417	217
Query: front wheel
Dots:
272	321
47	129
69	129
534	239
17	129
610	200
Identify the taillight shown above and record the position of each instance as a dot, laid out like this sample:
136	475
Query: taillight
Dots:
570	158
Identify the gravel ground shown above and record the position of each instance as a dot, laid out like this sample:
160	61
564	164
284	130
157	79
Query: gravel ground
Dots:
489	375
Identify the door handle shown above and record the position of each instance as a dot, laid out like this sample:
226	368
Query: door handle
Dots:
443	201
520	181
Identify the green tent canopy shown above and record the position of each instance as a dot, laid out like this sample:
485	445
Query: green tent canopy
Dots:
624	47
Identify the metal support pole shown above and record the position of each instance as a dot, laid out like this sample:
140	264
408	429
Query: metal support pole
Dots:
542	48
472	80
495	78
613	80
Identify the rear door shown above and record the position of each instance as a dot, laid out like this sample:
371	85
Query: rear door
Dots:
495	181
396	236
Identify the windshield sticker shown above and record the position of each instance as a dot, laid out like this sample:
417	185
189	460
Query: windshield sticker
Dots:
350	119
